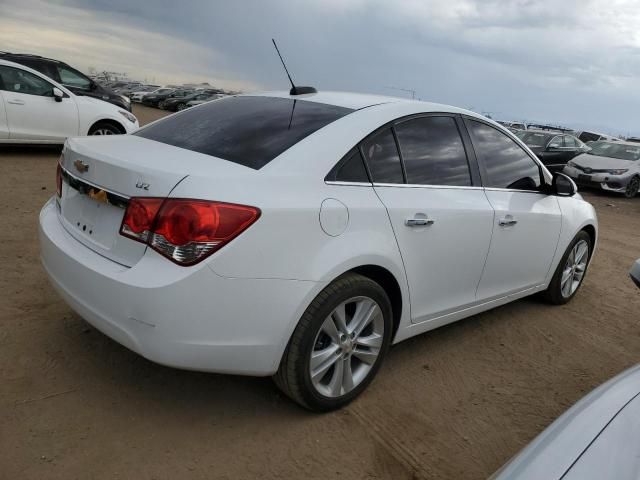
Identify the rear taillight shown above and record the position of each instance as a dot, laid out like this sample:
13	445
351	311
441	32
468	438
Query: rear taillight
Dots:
59	181
183	230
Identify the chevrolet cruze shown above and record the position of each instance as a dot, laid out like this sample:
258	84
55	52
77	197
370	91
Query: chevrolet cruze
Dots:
300	236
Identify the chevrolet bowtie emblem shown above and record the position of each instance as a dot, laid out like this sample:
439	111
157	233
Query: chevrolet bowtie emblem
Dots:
81	166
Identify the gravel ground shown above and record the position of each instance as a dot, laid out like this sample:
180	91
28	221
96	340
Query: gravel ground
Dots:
457	402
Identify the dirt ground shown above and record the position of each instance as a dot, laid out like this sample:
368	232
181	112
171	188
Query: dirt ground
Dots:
455	403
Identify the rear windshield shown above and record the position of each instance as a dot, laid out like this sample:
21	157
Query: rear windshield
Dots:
250	131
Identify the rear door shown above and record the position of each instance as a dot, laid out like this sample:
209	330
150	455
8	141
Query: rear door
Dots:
527	221
440	215
31	110
4	125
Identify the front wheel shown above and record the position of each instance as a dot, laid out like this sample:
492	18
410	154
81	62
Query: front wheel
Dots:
571	270
105	128
632	187
338	345
182	106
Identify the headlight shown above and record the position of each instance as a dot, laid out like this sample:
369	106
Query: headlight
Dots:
619	171
128	116
126	99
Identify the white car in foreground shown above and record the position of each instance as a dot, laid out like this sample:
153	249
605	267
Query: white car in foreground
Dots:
36	109
299	236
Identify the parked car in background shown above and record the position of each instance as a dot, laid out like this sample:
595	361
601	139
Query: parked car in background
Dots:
180	103
71	78
193	103
407	216
154	99
554	149
633	139
598	438
35	109
587	136
610	166
126	87
137	96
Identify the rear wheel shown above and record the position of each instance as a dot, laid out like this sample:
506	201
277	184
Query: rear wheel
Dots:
105	128
571	270
632	187
338	345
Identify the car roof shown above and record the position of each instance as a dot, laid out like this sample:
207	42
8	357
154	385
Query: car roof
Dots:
357	101
30	56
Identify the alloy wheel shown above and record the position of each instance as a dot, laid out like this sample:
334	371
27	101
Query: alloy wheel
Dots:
574	269
346	347
103	131
632	187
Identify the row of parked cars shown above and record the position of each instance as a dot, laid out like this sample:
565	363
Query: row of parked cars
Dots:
590	159
169	97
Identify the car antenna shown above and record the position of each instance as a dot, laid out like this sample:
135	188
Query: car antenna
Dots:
294	90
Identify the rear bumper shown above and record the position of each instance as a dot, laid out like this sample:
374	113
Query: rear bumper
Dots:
181	317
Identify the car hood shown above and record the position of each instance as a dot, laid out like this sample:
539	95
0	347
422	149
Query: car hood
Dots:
552	453
85	99
599	162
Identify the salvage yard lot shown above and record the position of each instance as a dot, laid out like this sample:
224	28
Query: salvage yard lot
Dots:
454	403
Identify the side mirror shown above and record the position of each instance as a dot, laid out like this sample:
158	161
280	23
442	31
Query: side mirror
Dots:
635	273
57	94
553	146
563	186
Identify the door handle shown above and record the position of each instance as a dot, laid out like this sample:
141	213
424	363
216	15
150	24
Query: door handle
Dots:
16	102
507	221
418	222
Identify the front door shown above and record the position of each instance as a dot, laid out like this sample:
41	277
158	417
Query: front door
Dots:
527	221
441	219
32	111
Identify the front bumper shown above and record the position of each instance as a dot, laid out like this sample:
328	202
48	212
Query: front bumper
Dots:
602	181
188	318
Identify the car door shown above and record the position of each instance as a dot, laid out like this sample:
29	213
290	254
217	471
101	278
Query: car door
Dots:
31	109
572	146
441	217
4	125
554	154
527	220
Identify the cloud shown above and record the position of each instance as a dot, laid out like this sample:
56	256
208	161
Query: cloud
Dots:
541	60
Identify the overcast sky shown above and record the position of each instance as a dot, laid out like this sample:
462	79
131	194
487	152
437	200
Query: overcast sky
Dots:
569	62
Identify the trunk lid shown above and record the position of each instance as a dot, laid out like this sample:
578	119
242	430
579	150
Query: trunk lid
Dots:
100	174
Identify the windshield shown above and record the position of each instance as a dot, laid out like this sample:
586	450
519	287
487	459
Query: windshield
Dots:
250	131
615	150
534	139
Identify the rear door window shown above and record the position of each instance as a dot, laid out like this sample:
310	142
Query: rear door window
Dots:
250	131
433	152
381	154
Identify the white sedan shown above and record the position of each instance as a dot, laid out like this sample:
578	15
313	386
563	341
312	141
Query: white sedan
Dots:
36	109
300	235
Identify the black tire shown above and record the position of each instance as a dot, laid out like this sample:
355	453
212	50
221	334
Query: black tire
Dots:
105	128
632	187
293	376
181	106
553	294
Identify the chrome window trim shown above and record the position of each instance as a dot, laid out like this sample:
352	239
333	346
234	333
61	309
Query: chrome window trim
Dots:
514	190
417	185
348	184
